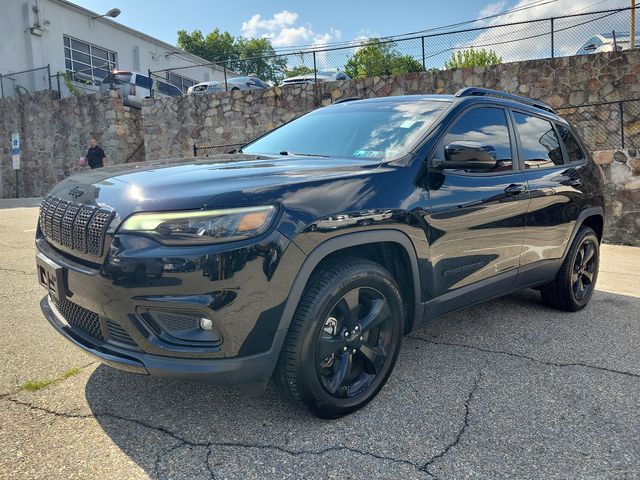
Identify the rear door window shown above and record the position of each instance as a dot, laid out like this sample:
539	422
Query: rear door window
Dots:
540	145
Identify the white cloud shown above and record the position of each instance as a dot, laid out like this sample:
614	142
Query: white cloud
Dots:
492	9
282	30
532	40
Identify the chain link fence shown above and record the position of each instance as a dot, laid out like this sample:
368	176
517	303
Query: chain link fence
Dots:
606	125
27	81
516	41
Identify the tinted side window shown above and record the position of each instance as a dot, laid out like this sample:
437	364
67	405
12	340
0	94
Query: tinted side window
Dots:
571	145
142	81
486	126
540	145
169	89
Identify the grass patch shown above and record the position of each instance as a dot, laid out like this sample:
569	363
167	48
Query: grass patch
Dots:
35	385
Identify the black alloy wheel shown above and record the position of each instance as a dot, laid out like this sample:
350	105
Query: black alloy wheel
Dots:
354	343
344	339
575	282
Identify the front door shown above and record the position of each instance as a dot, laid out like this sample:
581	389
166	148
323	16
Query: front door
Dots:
477	217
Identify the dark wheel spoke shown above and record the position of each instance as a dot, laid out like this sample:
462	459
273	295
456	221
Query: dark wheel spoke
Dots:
378	314
350	307
342	374
588	275
374	357
328	344
589	251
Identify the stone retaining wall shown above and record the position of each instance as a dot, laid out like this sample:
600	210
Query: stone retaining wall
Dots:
621	170
54	133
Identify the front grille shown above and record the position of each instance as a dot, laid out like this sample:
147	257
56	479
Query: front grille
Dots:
79	227
81	318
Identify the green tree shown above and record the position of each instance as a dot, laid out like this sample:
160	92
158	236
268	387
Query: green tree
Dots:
247	56
256	56
472	58
375	58
296	71
216	46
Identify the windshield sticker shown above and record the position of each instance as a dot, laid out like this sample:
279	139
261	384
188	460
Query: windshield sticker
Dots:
408	123
367	153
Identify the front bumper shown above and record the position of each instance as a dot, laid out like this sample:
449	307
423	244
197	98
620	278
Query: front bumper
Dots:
129	311
254	369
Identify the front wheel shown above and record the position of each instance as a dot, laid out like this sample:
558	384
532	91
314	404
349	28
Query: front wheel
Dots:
343	340
575	282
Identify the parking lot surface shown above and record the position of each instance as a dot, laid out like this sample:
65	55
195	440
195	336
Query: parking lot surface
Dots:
505	389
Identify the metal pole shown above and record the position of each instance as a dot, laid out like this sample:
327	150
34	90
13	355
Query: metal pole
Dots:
621	124
150	82
424	65
632	26
224	70
315	69
1	86
17	183
58	83
49	75
552	45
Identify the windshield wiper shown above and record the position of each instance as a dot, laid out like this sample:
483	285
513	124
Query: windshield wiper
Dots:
287	152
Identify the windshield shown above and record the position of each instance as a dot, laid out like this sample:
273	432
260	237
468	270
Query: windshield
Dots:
381	130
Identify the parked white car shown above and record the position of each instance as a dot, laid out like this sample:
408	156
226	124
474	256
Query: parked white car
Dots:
311	78
604	42
134	87
235	83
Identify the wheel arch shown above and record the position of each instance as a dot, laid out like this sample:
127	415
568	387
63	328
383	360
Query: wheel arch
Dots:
592	217
378	246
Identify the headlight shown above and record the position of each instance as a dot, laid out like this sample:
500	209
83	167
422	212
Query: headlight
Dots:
202	226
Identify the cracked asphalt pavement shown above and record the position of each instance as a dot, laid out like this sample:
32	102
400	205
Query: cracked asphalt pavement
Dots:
505	389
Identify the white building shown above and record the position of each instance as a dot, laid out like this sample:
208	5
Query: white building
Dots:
70	38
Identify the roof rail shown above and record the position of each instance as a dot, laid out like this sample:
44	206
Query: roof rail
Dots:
344	100
477	91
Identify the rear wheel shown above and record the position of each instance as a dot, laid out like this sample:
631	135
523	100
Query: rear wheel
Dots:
343	340
575	282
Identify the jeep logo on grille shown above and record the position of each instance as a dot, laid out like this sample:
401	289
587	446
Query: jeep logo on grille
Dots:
75	192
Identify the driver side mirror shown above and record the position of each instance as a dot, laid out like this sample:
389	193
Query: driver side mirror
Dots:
469	155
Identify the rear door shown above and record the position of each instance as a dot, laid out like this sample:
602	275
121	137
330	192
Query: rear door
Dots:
476	223
551	161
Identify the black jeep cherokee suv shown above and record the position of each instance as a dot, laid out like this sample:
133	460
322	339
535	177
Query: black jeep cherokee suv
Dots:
308	254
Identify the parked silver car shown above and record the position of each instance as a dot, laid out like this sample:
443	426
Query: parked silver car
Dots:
311	78
236	83
135	87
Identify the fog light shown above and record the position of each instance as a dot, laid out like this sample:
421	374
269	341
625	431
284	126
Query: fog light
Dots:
206	324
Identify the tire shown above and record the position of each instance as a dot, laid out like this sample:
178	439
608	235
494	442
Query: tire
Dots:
354	297
564	293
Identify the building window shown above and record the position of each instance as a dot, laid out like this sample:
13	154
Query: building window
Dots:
88	63
179	81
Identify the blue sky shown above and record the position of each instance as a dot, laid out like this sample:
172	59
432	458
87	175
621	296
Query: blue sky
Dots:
290	23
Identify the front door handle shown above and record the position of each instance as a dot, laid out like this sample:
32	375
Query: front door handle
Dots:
516	189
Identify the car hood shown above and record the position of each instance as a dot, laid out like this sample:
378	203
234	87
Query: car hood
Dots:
193	183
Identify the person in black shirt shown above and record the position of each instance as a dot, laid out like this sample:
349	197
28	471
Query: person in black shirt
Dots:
95	156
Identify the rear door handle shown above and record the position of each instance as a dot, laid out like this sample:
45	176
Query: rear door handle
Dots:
516	189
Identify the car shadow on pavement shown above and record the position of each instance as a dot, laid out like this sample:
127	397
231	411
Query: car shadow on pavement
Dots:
453	375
